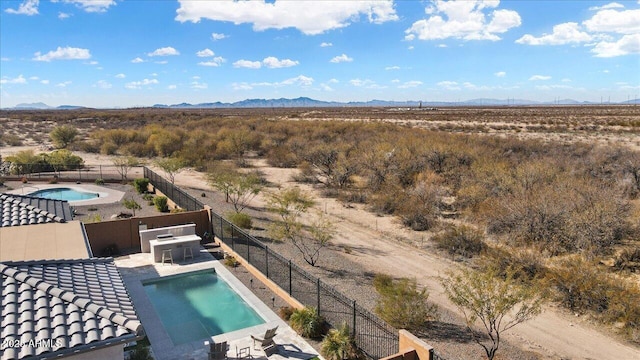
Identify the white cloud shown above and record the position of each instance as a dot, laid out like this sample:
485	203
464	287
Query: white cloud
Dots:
66	53
326	87
199	85
153	74
241	86
449	85
140	84
500	74
333	81
273	62
93	62
5	59
442	46
247	64
63	16
34	78
341	58
395	81
539	77
392	68
299	80
612	5
162	62
326	44
137	60
92	5
205	53
121	76
218	36
410	47
196	77
367	83
44	82
165	51
215	62
566	33
64	84
410	84
628	44
28	7
566	80
18	80
103	84
613	21
310	17
172	87
466	20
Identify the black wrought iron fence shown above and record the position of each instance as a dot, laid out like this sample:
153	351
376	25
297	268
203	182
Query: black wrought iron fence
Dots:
374	337
39	172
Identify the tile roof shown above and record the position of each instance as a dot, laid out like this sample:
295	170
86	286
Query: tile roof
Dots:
64	307
17	210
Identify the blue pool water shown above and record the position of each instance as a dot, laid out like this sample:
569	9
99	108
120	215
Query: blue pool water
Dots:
64	194
198	305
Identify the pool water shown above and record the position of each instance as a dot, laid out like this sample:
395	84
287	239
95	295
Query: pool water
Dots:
198	305
64	194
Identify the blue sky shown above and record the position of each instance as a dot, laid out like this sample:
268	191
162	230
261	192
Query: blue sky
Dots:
113	53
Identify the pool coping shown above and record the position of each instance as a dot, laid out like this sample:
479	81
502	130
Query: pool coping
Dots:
161	343
106	195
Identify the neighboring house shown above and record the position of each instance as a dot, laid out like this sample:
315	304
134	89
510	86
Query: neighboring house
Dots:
51	306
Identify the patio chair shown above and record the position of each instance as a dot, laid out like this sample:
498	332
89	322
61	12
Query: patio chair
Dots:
266	342
217	351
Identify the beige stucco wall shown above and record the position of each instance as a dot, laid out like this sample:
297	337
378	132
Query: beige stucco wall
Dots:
43	242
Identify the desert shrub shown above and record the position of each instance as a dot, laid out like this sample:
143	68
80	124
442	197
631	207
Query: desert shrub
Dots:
86	146
628	259
161	203
419	209
63	135
520	264
461	240
285	312
99	181
282	157
231	261
401	304
582	288
148	198
108	148
307	322
239	219
11	140
141	185
338	344
305	175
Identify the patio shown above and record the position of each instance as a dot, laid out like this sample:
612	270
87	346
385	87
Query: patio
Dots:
139	267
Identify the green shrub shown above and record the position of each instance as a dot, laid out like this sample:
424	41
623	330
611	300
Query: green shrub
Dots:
461	240
176	210
161	203
525	265
338	344
141	185
231	261
240	220
628	259
307	322
99	181
401	304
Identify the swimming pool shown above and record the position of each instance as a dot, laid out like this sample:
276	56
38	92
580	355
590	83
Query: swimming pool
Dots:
198	305
63	193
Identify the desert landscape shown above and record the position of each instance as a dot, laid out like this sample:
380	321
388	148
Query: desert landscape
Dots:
393	182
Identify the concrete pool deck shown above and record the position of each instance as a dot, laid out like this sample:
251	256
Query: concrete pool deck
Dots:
106	195
137	268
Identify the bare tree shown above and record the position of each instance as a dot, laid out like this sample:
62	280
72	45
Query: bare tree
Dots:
124	164
171	166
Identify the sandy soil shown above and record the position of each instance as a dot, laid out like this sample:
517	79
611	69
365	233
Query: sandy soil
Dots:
380	244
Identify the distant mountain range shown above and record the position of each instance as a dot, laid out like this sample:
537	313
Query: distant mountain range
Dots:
308	102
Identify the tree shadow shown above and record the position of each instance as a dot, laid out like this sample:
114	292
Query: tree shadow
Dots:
447	332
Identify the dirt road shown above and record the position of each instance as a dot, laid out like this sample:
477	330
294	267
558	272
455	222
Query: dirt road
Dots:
379	244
